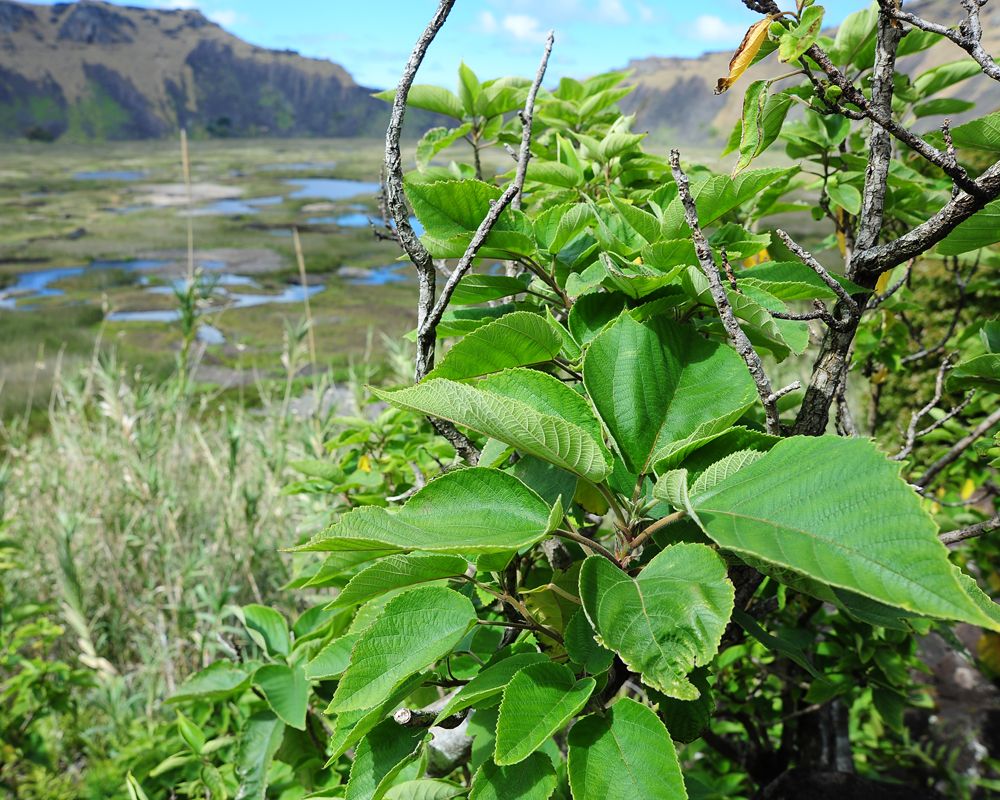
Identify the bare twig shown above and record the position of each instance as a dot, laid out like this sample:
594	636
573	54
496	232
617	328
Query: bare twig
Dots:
414	718
912	434
736	335
967	35
954	537
958	448
810	261
430	322
878	299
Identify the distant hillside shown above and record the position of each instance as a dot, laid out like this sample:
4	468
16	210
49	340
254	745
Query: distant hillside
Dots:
676	94
97	70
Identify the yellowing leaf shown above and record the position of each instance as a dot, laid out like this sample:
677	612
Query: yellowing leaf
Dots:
745	53
883	282
968	488
758	258
365	463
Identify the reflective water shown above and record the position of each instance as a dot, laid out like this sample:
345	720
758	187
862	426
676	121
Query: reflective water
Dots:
330	188
230	300
110	175
37	284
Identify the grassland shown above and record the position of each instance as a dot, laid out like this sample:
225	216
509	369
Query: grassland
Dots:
51	218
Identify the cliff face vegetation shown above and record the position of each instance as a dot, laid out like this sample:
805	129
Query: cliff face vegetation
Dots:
95	70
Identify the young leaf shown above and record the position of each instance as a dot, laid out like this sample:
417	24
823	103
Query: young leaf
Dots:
794	43
528	410
430	98
582	646
425	789
514	340
436	140
532	779
624	755
661	389
539	701
286	691
745	53
474	510
380	757
414	630
837	511
667	621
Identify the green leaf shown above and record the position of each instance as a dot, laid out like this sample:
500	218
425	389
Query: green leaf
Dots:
490	682
979	230
397	572
980	134
661	389
473	289
845	196
190	733
430	98
855	34
538	702
532	779
667	621
794	43
436	140
449	209
286	691
554	173
944	75
793	280
414	630
979	372
519	339
259	741
469	88
837	511
582	646
380	757
531	411
625	755
475	510
425	789
333	659
686	719
216	682
763	116
943	106
350	726
268	629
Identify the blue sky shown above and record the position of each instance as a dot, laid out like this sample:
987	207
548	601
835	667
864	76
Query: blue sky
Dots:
373	38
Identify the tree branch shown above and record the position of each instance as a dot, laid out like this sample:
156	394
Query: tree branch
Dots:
954	537
968	35
735	333
958	448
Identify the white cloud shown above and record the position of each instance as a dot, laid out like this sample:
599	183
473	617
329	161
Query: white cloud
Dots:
225	17
709	28
487	22
646	14
612	11
523	27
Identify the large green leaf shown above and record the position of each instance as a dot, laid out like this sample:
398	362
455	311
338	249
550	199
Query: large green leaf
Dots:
474	288
286	691
532	779
763	115
528	410
625	755
474	510
514	340
350	726
539	701
837	511
333	659
398	571
792	280
661	388
379	758
981	134
944	75
259	741
414	630
667	621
